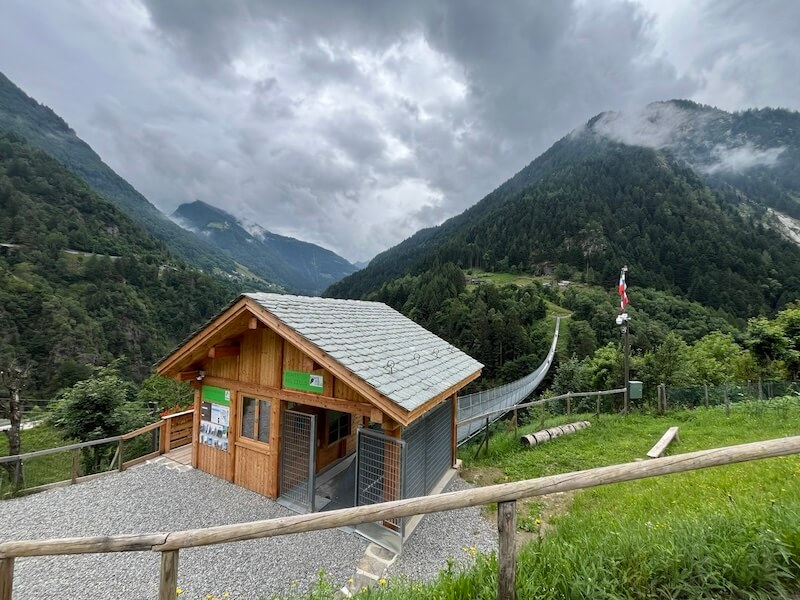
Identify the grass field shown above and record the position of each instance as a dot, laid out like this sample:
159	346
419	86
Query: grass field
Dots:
728	532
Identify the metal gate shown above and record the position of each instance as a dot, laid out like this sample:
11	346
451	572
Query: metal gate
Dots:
298	460
429	450
380	473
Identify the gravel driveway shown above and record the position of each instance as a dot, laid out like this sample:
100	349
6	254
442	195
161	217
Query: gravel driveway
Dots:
150	499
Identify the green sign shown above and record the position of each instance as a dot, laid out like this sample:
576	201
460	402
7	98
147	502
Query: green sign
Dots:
306	382
216	395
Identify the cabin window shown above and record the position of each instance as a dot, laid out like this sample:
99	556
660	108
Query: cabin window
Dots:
255	419
338	425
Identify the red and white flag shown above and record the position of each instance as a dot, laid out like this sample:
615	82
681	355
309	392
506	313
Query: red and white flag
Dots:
623	290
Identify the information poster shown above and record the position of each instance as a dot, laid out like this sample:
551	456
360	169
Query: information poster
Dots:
306	382
215	414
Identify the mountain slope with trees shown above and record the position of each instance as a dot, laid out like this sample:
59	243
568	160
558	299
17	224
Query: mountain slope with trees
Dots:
81	282
592	203
44	129
299	266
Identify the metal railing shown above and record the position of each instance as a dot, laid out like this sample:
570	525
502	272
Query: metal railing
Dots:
506	495
502	399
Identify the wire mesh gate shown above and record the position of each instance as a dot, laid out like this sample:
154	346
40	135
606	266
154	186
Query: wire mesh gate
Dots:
380	473
298	460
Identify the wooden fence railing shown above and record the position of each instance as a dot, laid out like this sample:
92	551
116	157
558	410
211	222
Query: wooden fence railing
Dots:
506	495
174	431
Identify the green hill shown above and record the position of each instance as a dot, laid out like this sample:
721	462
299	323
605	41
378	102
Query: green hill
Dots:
83	283
44	129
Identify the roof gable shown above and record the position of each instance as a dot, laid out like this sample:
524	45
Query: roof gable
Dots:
403	361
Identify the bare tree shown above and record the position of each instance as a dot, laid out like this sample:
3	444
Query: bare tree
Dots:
14	377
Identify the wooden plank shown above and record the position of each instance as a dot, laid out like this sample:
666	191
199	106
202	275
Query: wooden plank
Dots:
141	459
188	375
63	483
505	492
223	351
6	578
291	396
120	453
506	550
168	584
661	446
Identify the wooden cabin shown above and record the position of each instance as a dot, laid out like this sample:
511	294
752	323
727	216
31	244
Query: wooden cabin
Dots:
289	389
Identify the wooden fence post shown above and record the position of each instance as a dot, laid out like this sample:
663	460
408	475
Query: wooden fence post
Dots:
516	423
727	401
543	409
6	578
597	412
169	575
664	389
506	550
121	458
569	404
705	385
75	465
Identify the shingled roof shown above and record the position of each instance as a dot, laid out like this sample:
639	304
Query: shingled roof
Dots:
405	362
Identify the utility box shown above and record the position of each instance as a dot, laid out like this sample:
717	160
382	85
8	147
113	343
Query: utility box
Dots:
635	390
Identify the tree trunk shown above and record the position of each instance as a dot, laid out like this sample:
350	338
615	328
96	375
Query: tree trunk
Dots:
14	470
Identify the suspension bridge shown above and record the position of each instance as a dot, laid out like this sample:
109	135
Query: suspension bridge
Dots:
504	396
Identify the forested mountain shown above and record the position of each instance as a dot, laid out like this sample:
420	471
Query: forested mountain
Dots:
44	129
593	203
83	283
297	265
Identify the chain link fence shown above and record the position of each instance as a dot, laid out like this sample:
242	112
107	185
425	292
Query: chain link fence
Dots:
717	395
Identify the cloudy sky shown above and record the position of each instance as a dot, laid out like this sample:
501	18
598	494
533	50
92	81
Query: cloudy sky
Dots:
354	123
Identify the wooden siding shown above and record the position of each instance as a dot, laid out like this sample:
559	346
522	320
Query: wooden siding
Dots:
254	468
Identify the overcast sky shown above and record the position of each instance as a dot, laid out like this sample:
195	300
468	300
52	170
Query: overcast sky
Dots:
354	123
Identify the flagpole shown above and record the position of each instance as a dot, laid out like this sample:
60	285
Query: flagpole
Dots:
622	321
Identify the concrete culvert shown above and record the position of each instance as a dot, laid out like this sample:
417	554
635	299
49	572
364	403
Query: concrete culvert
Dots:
545	435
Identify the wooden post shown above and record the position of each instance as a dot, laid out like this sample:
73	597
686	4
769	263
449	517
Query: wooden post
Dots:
75	454
169	575
121	458
760	393
597	412
705	385
664	388
6	578
727	402
569	404
506	550
516	424
542	419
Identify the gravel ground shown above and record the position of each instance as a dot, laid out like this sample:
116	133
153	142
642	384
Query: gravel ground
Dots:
151	499
441	536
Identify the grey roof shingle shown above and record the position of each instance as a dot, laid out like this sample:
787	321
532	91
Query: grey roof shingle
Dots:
402	360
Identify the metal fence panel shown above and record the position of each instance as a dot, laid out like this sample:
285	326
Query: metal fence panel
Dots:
429	442
380	467
298	459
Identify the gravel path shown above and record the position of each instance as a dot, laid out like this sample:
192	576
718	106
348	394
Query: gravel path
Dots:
445	535
150	499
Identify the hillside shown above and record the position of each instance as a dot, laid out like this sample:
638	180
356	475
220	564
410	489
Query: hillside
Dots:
45	130
592	203
297	265
83	283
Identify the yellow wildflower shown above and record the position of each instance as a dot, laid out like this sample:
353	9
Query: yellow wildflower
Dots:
382	581
178	591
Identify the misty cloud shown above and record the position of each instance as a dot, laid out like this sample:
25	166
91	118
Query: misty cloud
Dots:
741	158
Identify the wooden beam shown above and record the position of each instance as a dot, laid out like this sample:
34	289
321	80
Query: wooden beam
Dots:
172	363
168	584
252	323
223	351
436	400
506	550
188	375
661	446
6	578
504	492
385	404
360	408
